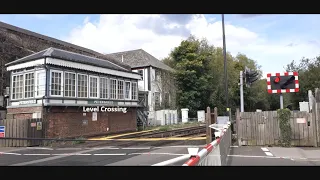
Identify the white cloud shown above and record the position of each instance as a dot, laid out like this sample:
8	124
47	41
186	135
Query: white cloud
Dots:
158	35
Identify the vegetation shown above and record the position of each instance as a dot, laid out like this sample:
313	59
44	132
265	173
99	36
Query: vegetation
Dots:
200	79
285	128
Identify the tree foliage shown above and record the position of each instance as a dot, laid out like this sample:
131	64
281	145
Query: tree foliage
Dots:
200	78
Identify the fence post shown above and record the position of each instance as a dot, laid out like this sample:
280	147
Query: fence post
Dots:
215	111
316	111
237	128
208	122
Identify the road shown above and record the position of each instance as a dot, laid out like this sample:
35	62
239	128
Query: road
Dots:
100	156
273	156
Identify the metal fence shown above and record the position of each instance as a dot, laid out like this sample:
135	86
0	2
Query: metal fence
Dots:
215	153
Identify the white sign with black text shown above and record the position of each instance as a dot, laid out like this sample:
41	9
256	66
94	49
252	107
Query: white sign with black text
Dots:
94	116
104	109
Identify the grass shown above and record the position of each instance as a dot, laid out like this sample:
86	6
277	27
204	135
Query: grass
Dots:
79	140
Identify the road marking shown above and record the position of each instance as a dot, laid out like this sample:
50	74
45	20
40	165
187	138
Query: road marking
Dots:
265	149
7	153
42	148
172	161
272	157
46	159
110	154
268	153
234	146
101	148
137	148
37	154
68	149
171	154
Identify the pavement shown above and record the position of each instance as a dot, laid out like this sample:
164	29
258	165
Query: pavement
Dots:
273	156
98	156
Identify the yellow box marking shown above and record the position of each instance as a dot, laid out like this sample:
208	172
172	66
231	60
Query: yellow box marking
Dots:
119	135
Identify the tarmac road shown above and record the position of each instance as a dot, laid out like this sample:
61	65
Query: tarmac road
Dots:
100	156
273	156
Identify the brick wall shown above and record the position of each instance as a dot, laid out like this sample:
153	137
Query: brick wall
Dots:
68	122
22	113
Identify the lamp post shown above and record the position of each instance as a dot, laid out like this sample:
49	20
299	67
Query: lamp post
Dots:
225	63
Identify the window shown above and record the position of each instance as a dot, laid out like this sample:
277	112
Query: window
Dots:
82	85
113	89
141	73
69	84
29	85
127	94
104	88
40	83
93	86
134	91
56	83
17	86
120	89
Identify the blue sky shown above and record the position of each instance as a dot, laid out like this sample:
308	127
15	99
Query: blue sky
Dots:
272	40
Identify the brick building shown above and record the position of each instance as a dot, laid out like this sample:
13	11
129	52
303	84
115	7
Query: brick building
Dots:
75	94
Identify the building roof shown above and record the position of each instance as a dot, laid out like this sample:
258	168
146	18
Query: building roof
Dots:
63	43
69	56
139	58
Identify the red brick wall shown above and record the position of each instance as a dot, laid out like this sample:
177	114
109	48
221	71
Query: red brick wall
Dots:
67	122
23	113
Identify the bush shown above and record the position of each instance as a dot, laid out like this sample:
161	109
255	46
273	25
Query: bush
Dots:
285	128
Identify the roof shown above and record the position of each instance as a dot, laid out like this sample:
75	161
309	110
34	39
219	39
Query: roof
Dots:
140	58
63	43
69	56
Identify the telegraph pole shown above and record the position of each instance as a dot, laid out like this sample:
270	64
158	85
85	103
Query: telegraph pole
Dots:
225	63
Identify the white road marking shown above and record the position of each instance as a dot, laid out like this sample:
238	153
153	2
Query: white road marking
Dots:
68	149
182	146
37	154
268	153
234	146
172	161
7	153
264	149
71	154
45	159
170	154
110	154
42	148
133	148
273	157
102	148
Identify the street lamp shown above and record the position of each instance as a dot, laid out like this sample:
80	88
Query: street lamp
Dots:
225	63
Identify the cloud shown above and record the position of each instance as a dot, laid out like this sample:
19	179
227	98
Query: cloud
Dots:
159	34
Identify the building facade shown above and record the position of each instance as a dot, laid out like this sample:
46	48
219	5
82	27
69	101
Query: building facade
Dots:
156	80
76	94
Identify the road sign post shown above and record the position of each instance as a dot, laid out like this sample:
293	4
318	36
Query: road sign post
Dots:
2	131
282	83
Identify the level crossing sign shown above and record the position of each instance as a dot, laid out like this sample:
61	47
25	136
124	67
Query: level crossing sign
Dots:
2	131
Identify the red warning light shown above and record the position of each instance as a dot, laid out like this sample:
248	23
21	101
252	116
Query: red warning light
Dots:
277	80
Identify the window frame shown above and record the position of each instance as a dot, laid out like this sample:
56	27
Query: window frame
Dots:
136	86
120	80
141	74
108	87
125	90
76	84
77	95
24	84
98	86
11	91
36	83
116	94
62	77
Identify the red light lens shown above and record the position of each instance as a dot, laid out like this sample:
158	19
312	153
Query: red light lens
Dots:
277	80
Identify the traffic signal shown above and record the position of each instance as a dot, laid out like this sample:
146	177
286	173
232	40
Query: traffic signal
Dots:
283	83
250	76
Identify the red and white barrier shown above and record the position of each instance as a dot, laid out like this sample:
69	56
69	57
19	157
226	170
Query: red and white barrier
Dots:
195	160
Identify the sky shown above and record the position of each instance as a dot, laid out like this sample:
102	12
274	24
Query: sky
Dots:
271	40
